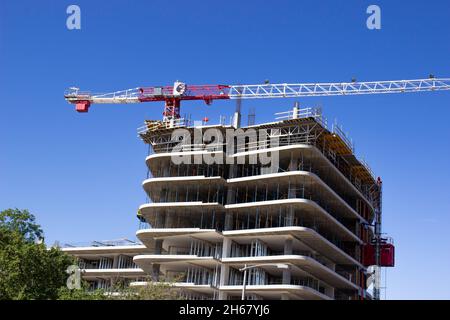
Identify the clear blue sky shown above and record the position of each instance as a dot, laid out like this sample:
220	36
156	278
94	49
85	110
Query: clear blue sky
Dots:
81	174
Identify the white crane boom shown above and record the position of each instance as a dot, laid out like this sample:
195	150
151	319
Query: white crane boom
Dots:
287	90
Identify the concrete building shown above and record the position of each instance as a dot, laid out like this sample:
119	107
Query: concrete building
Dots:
288	199
104	263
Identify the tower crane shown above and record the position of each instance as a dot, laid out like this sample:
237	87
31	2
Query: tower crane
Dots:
173	95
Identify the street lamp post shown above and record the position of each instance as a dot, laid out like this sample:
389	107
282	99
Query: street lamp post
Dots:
245	268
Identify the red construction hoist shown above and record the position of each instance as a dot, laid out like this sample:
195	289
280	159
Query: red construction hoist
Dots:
380	251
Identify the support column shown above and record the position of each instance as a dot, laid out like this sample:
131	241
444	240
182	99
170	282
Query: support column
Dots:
224	269
287	251
231	196
289	218
329	291
159	220
115	261
166	171
169	220
291	190
228	221
156	267
293	163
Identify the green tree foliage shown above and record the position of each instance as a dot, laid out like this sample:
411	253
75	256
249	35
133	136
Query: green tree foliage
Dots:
81	294
28	270
23	222
121	291
162	290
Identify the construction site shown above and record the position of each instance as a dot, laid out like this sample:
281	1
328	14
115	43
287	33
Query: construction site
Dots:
278	210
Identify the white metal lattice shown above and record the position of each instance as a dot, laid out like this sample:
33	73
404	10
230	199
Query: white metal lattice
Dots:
285	90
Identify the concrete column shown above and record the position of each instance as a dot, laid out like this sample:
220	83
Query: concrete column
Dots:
231	196
295	110
287	276
159	220
329	291
115	261
291	191
237	120
156	267
287	251
155	272
293	163
158	246
288	246
332	266
166	172
224	269
228	221
289	219
169	220
357	229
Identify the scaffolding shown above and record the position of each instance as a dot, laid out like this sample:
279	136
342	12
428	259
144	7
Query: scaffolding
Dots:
298	126
318	183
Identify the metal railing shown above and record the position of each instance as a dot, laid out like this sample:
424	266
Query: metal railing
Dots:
102	243
301	113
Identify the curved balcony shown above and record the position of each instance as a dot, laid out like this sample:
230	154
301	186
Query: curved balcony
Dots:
190	188
90	274
302	264
311	213
308	154
161	162
308	236
335	252
276	291
179	260
307	158
184	215
149	236
292	184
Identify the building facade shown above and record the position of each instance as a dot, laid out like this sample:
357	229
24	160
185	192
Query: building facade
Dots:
288	199
106	264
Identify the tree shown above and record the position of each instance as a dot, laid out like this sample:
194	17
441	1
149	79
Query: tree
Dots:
28	270
83	293
162	290
23	222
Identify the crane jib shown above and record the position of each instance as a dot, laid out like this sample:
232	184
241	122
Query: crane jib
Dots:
172	95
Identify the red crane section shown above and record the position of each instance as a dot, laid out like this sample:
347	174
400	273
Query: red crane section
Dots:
172	95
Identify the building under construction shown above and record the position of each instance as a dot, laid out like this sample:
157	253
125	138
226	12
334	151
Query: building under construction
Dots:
288	201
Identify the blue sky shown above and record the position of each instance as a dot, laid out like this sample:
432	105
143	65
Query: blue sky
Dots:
81	174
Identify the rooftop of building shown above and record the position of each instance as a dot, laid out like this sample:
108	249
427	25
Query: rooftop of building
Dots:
158	135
